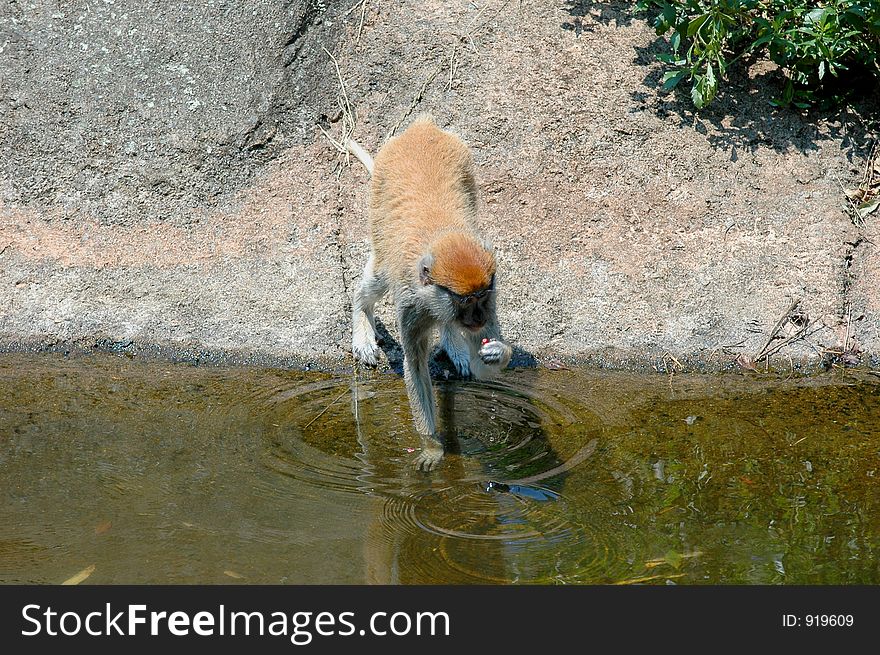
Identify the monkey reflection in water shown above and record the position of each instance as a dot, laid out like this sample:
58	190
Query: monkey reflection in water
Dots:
395	553
427	251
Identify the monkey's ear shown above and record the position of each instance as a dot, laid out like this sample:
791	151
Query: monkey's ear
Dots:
425	264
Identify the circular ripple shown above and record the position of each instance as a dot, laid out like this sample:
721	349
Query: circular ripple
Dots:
358	437
494	510
469	512
314	436
468	534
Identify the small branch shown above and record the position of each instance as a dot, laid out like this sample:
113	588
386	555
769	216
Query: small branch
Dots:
347	111
325	409
452	65
361	21
349	118
802	333
354	7
773	333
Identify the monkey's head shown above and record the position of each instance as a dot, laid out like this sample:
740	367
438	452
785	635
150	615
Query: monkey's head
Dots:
458	273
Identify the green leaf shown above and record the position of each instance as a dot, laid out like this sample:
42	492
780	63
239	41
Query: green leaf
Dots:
761	41
695	25
817	16
697	96
711	85
665	20
788	92
671	79
821	69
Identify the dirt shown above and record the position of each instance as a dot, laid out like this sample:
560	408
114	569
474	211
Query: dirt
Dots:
165	186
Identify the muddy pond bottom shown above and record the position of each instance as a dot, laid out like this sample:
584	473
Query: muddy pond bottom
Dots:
143	472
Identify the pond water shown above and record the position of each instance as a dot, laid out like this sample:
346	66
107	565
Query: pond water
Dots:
145	472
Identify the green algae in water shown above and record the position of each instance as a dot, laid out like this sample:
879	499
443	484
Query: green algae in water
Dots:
160	473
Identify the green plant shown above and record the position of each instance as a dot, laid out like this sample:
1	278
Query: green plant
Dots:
812	42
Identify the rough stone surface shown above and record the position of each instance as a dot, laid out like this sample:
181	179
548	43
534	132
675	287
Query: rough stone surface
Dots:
864	294
163	181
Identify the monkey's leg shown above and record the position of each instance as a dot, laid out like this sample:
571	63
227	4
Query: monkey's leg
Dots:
415	332
459	349
363	331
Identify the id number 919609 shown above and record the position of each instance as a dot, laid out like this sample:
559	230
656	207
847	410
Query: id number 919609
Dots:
828	620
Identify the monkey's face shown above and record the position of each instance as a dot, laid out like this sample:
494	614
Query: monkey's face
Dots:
472	311
458	279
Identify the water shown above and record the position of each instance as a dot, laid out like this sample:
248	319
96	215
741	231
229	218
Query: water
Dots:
163	473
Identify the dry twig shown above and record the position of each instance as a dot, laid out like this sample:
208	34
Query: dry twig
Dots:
468	36
323	411
347	113
361	21
865	199
776	335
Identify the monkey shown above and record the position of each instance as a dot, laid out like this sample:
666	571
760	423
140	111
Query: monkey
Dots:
426	250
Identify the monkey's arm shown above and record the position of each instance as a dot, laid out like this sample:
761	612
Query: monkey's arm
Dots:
415	331
490	357
362	155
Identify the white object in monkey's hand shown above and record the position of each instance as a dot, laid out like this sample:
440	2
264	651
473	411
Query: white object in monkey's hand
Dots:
492	351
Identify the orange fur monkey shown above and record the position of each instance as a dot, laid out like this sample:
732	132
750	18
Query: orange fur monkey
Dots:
426	249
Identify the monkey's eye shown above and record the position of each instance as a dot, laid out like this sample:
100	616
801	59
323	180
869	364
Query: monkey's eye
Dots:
470	299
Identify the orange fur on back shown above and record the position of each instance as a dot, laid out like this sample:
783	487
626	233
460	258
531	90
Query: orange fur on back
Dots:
424	199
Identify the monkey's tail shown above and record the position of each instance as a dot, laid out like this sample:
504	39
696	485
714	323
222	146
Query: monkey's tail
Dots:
362	155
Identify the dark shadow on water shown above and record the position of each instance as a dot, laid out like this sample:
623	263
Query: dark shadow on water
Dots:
741	118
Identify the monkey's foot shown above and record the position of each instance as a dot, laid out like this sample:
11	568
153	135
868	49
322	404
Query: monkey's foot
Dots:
428	459
365	351
494	352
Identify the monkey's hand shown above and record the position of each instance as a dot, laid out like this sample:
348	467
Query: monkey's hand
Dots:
495	353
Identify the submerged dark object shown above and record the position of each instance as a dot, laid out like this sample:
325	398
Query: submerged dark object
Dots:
520	488
523	491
